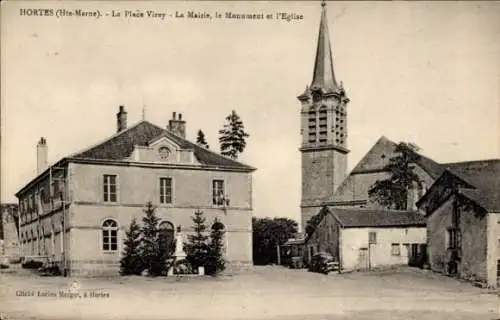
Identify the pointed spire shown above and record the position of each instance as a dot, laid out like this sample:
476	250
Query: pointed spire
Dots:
324	77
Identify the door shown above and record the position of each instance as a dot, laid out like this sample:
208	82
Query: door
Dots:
364	259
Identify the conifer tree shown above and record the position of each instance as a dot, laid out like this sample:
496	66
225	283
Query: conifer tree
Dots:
152	252
131	262
215	261
392	192
232	137
201	140
197	248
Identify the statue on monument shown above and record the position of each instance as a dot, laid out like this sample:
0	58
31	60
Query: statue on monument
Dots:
179	245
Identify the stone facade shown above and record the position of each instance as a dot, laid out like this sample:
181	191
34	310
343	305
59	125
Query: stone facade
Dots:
323	130
463	222
472	241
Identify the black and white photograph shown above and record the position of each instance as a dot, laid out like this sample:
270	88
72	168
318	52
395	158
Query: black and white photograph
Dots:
275	160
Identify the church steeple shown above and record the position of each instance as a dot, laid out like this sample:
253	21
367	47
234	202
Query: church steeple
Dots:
324	76
323	127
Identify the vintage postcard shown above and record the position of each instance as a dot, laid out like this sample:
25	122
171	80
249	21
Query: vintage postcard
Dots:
315	160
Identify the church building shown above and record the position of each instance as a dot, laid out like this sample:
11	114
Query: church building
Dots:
76	211
325	148
351	227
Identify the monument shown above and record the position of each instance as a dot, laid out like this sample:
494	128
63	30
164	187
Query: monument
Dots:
179	246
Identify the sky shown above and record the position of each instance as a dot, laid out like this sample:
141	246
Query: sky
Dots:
424	72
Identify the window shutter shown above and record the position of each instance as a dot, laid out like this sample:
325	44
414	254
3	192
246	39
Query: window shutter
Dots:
118	189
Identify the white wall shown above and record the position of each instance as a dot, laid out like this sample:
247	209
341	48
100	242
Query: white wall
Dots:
353	239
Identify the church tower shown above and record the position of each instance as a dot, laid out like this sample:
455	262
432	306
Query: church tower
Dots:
323	130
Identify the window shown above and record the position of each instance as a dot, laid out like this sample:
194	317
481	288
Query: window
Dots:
165	190
312	126
110	235
395	249
372	237
43	196
453	239
218	192
110	191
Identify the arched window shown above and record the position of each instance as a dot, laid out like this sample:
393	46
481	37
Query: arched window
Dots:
323	128
312	128
109	235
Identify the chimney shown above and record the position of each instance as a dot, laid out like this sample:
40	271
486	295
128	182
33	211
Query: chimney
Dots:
177	126
121	119
42	152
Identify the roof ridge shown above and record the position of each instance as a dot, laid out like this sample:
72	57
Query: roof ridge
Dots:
371	209
208	150
108	138
470	161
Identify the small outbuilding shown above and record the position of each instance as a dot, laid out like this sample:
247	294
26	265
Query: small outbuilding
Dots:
368	238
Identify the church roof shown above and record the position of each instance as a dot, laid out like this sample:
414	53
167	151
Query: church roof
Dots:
382	218
122	144
378	157
323	76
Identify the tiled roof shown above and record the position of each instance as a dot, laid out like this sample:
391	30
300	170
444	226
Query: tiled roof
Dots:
484	176
383	150
363	217
121	145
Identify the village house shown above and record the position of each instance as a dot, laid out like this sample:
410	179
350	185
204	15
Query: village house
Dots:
76	211
362	239
463	221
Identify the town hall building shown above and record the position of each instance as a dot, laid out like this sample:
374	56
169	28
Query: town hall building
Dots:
76	211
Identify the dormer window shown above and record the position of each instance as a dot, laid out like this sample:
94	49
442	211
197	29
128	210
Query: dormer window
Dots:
164	153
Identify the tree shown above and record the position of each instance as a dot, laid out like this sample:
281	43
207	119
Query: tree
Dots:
131	262
153	254
215	260
197	248
313	222
267	234
201	140
232	137
392	192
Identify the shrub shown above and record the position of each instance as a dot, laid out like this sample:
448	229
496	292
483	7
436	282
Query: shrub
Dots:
32	264
15	260
50	269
